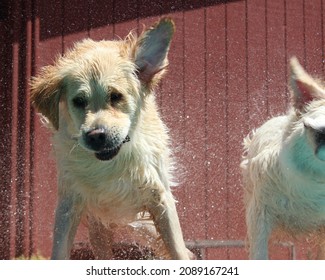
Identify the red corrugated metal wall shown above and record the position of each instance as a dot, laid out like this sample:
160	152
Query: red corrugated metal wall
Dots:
227	74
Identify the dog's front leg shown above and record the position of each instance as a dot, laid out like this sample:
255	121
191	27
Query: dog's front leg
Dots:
259	228
67	218
164	213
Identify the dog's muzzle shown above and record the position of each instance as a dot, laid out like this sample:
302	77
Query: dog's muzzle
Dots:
103	144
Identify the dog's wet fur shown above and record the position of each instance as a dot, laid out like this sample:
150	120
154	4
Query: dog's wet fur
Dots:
112	148
284	169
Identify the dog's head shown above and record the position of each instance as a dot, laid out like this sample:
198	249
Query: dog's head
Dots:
309	103
95	91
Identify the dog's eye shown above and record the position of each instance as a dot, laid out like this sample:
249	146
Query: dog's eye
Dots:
116	97
80	102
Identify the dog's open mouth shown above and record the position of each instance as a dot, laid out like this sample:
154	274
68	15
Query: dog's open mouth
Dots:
320	145
109	154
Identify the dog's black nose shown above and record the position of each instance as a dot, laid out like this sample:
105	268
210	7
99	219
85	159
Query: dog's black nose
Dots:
96	139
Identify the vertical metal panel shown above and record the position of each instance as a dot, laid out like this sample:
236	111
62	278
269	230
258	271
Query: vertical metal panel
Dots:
48	44
22	127
314	39
17	130
295	34
5	132
195	122
217	152
228	73
256	63
237	114
276	57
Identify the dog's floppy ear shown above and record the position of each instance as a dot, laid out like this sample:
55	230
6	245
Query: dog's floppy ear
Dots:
151	49
45	94
305	88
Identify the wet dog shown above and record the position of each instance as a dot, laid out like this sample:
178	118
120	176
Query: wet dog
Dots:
114	163
284	168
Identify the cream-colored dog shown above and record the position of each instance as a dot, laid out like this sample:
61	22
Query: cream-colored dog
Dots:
284	169
112	147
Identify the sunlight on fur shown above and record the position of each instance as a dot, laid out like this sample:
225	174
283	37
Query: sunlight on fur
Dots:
112	148
283	169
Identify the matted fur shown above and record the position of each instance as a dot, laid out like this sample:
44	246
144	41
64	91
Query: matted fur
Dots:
284	169
103	90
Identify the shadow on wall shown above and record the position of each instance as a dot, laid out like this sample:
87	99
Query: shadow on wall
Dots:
64	17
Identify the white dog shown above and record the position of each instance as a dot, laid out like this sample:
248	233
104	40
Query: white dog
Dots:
284	168
111	145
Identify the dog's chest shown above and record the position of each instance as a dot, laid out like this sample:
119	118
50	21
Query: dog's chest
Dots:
117	201
301	205
109	191
116	190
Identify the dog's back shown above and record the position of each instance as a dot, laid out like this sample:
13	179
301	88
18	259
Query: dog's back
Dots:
261	153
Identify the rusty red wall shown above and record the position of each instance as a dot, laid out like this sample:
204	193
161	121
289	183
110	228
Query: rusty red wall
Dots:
227	74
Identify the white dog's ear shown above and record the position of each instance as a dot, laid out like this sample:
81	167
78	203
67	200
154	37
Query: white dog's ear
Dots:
45	94
151	49
305	88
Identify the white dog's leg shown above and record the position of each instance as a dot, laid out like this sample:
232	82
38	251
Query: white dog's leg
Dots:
167	223
67	218
259	229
